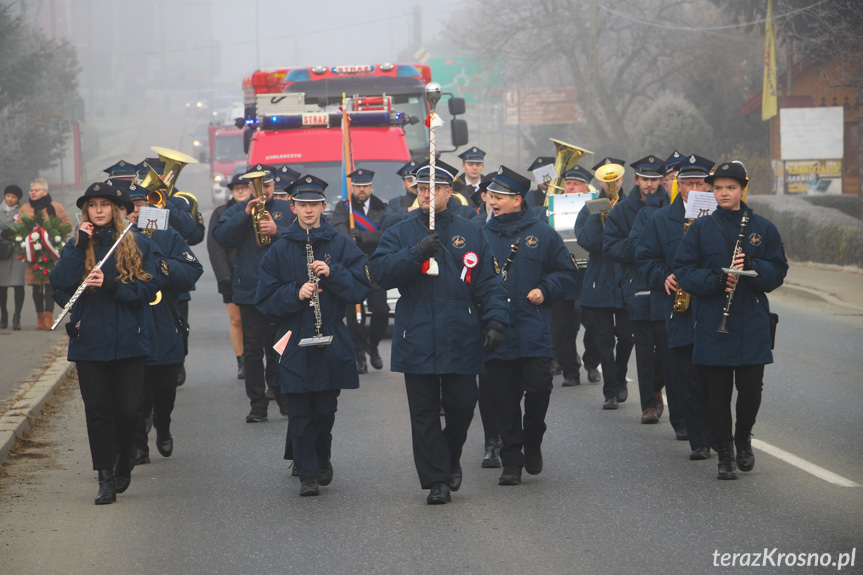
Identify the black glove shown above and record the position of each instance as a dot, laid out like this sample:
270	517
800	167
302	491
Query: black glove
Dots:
355	235
109	284
721	282
429	245
747	262
492	340
83	240
225	287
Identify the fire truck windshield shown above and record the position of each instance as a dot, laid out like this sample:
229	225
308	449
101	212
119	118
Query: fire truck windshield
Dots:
387	184
229	148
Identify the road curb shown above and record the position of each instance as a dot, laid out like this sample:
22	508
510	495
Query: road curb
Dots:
810	293
17	420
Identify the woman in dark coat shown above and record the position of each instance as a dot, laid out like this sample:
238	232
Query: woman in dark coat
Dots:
11	268
111	327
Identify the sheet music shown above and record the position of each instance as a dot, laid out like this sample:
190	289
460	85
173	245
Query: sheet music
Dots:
700	204
153	219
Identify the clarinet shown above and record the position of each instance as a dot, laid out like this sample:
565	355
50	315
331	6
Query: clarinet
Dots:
511	258
738	248
314	301
83	285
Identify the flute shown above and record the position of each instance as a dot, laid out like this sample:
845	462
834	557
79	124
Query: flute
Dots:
83	285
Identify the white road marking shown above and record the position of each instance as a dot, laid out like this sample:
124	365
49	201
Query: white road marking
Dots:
801	463
796	461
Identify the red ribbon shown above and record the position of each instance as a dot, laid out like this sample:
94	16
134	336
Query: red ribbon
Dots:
425	267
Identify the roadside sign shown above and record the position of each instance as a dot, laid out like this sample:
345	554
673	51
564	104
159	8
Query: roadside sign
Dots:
542	106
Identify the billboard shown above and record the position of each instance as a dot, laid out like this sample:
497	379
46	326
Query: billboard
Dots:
811	133
813	177
542	106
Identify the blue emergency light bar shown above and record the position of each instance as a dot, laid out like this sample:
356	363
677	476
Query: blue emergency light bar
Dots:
333	120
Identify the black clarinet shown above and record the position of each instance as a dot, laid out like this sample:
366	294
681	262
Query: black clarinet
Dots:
738	248
508	263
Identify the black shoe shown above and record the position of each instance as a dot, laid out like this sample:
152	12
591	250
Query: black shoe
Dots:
282	402
700	454
361	363
164	443
256	416
294	471
141	457
310	487
181	375
375	358
622	393
610	403
439	494
122	476
555	368
16	322
148	423
326	471
455	478
571	381
491	459
270	394
241	367
533	460
107	490
4	319
745	456
681	435
593	375
511	475
726	461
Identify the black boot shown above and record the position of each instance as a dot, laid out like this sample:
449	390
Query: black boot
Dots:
16	321
4	319
492	453
164	442
123	473
241	367
361	363
375	358
107	490
726	461
745	456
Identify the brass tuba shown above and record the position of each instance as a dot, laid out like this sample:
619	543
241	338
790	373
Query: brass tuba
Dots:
259	213
611	174
161	187
566	158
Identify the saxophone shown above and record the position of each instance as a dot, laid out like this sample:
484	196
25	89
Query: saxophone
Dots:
259	212
681	298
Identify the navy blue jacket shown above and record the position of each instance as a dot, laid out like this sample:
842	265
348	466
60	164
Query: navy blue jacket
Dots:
180	218
114	321
642	308
184	270
603	277
619	246
543	262
284	270
705	250
654	256
535	198
235	230
438	327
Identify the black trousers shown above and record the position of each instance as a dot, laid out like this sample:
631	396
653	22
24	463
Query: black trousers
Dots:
610	324
436	449
720	385
527	378
591	352
310	429
258	336
159	393
366	337
487	412
647	362
42	297
19	299
693	392
111	391
673	389
565	323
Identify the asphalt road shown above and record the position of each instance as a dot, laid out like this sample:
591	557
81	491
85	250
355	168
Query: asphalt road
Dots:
615	496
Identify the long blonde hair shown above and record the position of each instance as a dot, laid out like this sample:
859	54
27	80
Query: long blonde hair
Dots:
130	266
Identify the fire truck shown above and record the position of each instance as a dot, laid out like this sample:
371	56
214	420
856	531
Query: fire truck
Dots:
293	117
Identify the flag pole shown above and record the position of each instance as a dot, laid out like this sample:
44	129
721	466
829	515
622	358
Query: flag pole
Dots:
433	94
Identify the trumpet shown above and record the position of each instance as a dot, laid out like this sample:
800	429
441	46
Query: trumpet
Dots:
681	298
259	212
611	174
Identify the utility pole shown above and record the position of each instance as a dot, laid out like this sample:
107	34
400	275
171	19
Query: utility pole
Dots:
592	77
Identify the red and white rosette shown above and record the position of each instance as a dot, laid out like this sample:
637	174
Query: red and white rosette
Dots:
38	236
470	260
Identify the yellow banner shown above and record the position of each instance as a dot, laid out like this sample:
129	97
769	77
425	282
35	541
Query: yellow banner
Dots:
768	90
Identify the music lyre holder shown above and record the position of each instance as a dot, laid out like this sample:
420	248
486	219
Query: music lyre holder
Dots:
737	272
317	339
